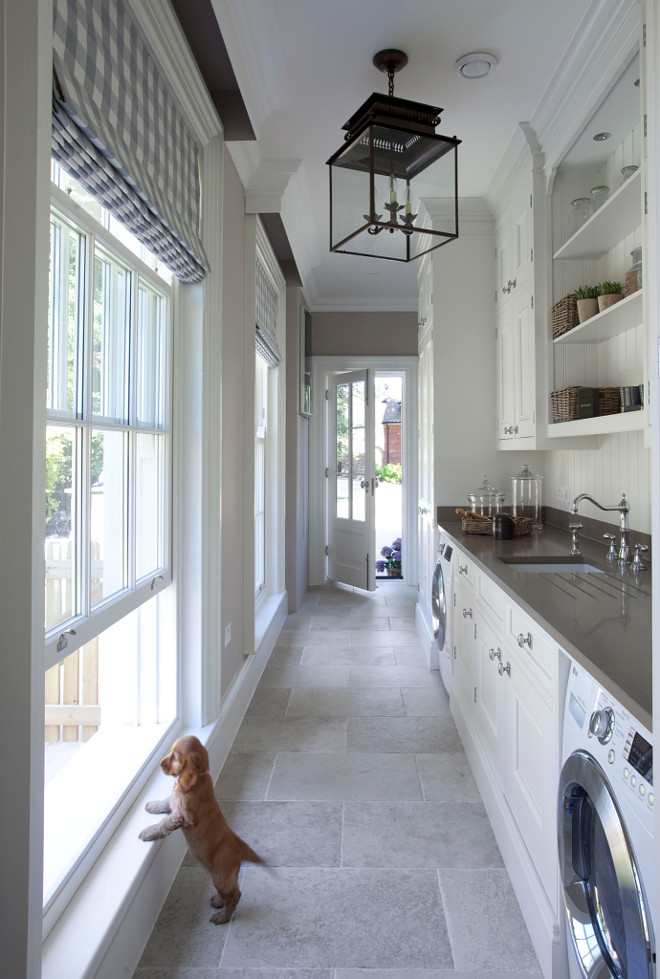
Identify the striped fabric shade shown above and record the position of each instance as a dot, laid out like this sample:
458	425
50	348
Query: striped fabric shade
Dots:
118	130
266	338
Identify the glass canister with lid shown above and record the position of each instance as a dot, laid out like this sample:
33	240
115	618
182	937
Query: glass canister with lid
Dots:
486	500
527	491
579	213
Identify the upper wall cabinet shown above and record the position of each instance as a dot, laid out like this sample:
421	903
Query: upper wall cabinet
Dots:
608	350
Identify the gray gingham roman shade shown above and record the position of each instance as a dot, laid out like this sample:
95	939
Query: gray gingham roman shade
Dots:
266	315
118	130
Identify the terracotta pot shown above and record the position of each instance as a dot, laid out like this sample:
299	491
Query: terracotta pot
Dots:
604	302
587	308
393	572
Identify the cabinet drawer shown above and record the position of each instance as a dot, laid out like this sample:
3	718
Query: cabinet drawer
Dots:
464	568
537	649
492	598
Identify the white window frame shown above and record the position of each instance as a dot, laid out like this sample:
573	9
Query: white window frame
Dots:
260	608
90	622
66	637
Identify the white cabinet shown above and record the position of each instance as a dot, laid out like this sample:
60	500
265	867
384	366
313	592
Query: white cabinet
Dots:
516	368
505	698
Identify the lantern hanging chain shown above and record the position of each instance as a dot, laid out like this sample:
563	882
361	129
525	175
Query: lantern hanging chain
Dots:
390	77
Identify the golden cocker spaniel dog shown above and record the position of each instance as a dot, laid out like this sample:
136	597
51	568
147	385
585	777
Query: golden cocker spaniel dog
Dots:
194	808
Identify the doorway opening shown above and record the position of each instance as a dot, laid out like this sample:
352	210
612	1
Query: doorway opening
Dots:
389	460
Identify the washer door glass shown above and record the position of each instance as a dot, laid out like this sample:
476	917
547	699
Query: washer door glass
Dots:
439	605
607	916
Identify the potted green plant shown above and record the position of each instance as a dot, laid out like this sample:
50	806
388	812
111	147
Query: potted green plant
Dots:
587	302
608	294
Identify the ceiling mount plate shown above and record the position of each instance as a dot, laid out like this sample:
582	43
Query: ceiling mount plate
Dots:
390	60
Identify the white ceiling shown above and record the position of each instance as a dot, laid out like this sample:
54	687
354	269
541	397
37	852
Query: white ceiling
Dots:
304	67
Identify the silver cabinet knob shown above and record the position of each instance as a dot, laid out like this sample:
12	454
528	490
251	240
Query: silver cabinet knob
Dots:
502	669
495	654
467	613
525	640
462	569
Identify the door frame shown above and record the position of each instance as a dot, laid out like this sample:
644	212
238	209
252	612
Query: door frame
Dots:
322	367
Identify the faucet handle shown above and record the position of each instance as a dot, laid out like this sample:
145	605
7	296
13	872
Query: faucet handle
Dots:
611	553
575	529
637	562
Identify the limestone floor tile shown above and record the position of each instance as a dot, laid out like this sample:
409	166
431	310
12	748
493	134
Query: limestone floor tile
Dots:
341	918
425	702
342	776
290	834
245	775
401	623
416	734
501	942
427	974
292	675
393	676
271	973
416	656
163	972
331	623
368	623
290	734
381	702
269	701
447	776
183	935
364	654
418	834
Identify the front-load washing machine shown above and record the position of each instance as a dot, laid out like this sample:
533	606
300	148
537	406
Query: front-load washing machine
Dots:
605	835
441	613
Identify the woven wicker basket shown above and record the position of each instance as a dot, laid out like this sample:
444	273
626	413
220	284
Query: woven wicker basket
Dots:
564	316
521	526
565	403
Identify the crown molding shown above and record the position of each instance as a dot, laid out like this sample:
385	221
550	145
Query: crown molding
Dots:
602	47
251	37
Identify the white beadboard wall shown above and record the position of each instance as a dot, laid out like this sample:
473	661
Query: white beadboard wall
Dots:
621	463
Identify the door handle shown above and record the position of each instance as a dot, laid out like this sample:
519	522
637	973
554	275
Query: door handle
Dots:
364	484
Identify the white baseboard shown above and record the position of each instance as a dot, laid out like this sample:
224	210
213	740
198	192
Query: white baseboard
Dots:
105	928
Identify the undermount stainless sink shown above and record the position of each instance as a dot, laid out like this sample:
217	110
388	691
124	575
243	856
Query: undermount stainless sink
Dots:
552	565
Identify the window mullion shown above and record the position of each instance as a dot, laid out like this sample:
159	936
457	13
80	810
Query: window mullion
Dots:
85	401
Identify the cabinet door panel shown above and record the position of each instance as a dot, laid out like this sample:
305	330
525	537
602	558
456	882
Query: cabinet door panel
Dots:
525	368
490	698
505	373
464	644
531	775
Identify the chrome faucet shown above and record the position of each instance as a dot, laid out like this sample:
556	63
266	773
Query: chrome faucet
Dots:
623	507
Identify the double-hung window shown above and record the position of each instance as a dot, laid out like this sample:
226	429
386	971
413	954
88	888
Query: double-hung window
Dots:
111	677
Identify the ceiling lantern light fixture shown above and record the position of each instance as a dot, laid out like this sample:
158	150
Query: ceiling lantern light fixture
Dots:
475	65
390	159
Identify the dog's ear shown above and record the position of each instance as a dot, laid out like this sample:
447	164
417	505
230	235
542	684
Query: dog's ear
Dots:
188	776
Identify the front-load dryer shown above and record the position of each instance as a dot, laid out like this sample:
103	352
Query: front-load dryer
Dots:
442	589
605	835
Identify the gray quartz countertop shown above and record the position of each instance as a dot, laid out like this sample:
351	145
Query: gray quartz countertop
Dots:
603	620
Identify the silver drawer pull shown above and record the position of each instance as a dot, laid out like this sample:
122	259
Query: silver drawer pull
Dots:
502	669
467	613
525	640
495	654
462	569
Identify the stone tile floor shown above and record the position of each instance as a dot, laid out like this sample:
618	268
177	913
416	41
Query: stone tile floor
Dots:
349	777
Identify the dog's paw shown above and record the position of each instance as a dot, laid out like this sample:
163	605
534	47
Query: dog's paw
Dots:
155	807
149	834
222	917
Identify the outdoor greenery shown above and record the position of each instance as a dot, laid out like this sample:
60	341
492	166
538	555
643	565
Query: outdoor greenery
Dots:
389	473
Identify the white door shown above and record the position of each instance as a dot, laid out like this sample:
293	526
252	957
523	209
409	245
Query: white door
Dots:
352	479
426	520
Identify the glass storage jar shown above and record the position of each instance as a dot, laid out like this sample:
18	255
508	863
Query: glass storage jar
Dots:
627	172
579	213
598	197
527	490
486	500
